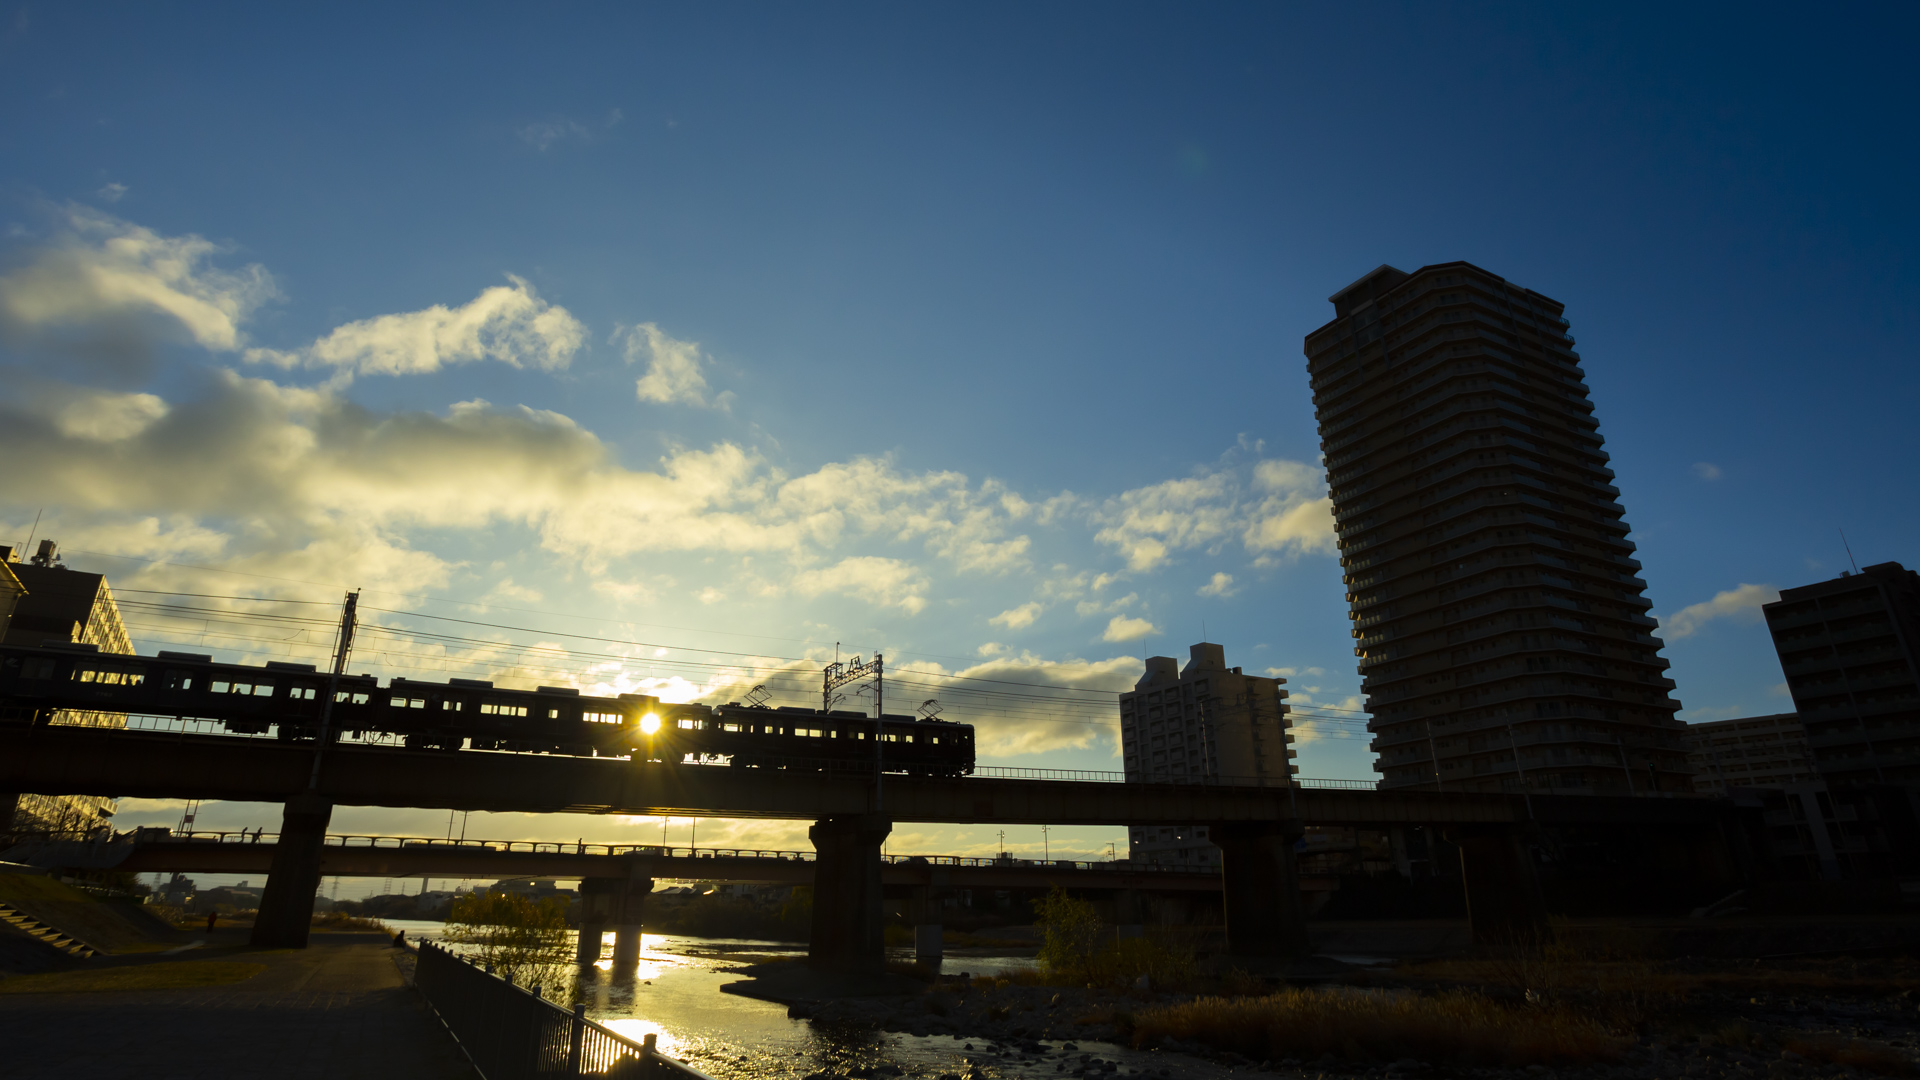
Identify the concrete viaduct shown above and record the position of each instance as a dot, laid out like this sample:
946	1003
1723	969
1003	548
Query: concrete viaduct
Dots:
1255	828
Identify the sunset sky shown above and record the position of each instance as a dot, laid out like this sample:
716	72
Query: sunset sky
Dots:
688	342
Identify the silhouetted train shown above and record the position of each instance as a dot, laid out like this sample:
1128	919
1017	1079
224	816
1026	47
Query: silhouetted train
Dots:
287	699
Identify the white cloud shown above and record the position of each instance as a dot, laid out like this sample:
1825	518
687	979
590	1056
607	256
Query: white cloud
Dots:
1019	731
673	366
108	417
1221	586
508	323
1706	470
112	193
130	284
1018	618
1127	628
1741	604
543	134
879	581
1274	509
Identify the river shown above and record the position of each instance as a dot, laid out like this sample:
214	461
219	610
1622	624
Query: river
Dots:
675	995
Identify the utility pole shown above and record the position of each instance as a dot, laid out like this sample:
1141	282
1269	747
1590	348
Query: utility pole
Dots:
343	645
1046	853
838	674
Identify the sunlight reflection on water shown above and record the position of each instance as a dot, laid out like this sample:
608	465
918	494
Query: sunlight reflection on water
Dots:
675	995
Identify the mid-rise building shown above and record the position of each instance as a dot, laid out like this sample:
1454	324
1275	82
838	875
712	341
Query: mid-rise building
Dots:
1850	648
68	607
1749	752
1208	723
1502	635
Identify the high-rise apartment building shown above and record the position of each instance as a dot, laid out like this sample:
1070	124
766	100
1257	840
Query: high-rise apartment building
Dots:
1749	752
1502	637
1207	723
68	607
1850	648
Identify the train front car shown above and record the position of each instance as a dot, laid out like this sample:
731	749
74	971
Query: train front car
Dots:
926	747
755	736
279	697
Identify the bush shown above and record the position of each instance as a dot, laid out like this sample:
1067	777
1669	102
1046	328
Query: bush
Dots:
1457	1027
1079	951
523	940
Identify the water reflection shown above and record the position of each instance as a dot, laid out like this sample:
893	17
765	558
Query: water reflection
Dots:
675	995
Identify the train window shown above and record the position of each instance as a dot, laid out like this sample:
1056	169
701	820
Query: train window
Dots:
690	725
408	703
356	699
553	714
301	693
491	709
453	706
110	676
179	680
601	717
813	733
37	668
729	727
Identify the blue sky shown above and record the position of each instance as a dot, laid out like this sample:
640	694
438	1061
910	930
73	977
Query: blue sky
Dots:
970	333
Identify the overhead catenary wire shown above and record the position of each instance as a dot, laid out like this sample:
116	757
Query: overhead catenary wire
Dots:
1045	705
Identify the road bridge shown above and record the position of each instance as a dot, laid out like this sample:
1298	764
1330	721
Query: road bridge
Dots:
147	851
1256	828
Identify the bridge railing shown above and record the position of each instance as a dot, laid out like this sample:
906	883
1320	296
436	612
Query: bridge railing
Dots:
512	1033
415	843
188	725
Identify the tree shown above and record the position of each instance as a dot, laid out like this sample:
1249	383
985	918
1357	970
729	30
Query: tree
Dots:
1073	935
525	941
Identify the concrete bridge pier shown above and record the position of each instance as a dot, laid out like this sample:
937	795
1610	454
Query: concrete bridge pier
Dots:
1504	904
1261	888
847	899
286	906
1129	914
628	915
598	899
923	910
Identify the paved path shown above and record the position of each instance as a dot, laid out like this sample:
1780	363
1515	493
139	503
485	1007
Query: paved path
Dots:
338	1009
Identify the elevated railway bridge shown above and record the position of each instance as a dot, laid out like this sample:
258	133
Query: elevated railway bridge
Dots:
1255	827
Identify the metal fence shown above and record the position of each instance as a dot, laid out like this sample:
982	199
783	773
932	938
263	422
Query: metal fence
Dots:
510	1033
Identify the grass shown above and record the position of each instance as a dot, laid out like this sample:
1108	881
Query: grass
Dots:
184	975
334	920
1457	1027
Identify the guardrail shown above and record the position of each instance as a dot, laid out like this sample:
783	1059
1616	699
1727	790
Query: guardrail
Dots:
511	1033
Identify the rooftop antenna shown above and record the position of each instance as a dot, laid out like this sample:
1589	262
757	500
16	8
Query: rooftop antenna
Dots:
1849	547
36	529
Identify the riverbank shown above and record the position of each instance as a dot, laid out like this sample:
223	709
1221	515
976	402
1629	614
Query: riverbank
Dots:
1823	1016
340	1007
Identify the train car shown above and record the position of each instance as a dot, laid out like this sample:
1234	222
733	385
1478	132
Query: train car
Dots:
478	715
288	700
795	738
245	698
